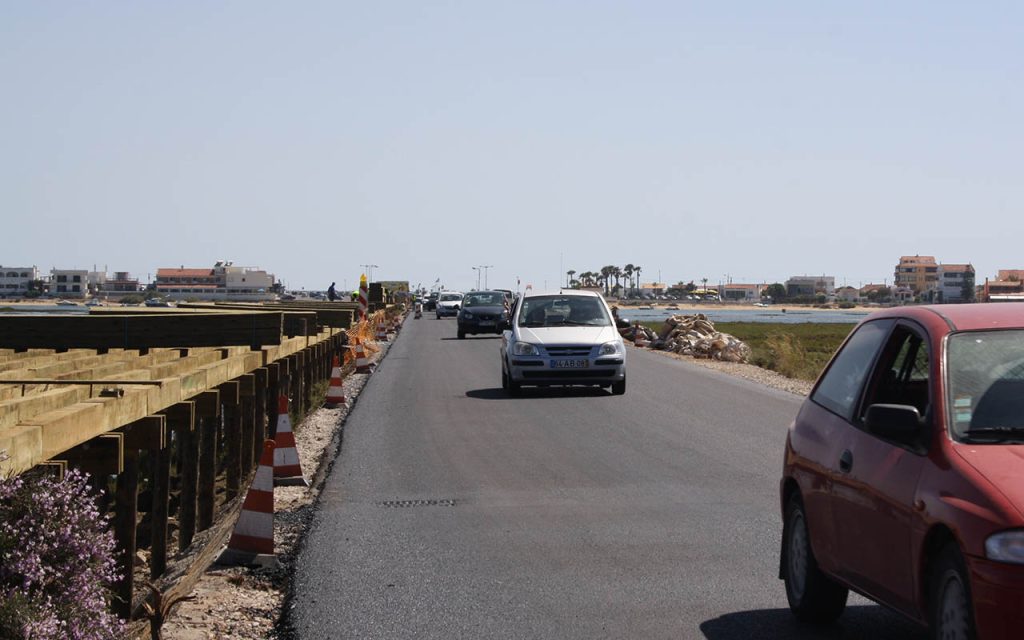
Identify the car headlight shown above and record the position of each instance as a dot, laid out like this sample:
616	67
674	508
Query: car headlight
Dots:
524	349
1006	547
609	348
467	315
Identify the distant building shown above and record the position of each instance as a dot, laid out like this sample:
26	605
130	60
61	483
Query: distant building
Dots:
17	281
652	288
952	281
224	281
1008	286
742	292
847	294
917	273
69	283
810	286
121	284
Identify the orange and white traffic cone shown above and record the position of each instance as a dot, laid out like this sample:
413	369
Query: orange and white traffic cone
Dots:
252	541
335	392
382	330
287	470
362	362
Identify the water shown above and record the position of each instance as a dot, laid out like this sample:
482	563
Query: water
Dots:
757	314
35	309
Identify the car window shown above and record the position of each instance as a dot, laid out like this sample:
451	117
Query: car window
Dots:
840	386
902	373
448	297
484	300
985	383
547	311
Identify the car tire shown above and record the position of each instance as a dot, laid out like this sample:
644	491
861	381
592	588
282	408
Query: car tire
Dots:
812	596
504	379
950	613
619	388
462	335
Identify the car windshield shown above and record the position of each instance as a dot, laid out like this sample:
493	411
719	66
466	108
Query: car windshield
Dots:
448	297
549	311
484	300
985	391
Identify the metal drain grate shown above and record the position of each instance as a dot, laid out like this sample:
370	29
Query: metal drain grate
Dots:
399	504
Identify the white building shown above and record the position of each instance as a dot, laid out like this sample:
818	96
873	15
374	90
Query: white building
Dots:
15	281
811	286
69	283
949	286
224	281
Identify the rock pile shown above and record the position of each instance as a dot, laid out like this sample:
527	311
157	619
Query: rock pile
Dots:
691	335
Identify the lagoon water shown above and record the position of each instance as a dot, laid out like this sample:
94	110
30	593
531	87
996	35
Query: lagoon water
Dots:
757	314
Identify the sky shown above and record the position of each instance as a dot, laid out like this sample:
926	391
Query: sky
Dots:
733	141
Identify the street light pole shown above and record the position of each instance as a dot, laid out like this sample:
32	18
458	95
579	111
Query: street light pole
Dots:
477	269
485	267
370	268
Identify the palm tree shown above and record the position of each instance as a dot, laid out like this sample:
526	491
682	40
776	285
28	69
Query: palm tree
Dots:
606	273
569	273
636	282
616	273
628	272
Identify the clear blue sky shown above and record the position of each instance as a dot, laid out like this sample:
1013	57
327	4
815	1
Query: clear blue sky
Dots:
755	140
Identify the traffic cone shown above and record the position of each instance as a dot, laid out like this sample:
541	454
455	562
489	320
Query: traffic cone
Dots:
252	541
382	330
287	470
396	324
362	362
335	392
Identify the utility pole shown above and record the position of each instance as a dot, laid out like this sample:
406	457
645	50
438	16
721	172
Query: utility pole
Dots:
370	268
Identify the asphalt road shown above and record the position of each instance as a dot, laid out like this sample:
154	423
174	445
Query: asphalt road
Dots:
455	511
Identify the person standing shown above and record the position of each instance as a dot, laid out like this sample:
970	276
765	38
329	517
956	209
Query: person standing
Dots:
331	294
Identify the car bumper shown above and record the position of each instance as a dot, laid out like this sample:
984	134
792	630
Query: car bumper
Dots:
540	372
998	592
445	311
481	327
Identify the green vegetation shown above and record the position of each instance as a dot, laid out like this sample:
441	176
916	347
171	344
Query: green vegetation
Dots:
798	351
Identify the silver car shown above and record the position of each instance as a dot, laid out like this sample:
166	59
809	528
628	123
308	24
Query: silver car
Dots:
563	338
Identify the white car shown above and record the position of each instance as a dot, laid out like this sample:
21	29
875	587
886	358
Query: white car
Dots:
563	338
448	303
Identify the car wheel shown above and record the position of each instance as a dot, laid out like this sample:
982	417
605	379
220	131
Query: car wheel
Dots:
812	595
619	388
949	595
504	379
462	335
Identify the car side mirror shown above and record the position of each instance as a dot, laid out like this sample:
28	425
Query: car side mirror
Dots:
899	422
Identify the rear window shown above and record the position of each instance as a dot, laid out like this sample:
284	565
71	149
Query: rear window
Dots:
448	297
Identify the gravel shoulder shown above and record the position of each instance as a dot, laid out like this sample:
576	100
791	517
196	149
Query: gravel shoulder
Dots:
245	602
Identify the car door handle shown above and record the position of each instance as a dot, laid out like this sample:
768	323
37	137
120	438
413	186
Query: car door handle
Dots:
846	461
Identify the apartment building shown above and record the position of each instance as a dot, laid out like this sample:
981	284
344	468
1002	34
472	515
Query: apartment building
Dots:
917	273
954	283
1008	286
69	283
16	281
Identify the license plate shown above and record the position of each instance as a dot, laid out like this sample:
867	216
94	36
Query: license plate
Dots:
487	323
570	364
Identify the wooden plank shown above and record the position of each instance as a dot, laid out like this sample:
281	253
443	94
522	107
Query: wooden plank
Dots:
149	433
133	331
207	467
21	447
125	517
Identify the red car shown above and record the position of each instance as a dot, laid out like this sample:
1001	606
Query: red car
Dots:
904	473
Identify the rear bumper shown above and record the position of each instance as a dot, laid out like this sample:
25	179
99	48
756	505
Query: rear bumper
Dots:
446	311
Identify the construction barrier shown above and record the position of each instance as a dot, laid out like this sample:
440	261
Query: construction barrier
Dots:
252	540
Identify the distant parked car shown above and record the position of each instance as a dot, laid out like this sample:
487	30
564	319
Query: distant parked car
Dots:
482	312
902	474
563	338
448	304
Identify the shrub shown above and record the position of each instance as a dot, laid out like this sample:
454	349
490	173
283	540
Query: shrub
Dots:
56	560
787	355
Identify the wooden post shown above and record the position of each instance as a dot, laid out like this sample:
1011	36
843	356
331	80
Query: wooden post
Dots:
260	417
208	406
188	474
229	396
150	434
277	376
125	516
247	418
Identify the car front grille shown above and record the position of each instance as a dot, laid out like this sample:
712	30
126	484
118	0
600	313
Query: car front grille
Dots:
575	374
566	351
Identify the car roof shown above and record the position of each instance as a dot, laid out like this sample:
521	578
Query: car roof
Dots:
963	317
562	292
